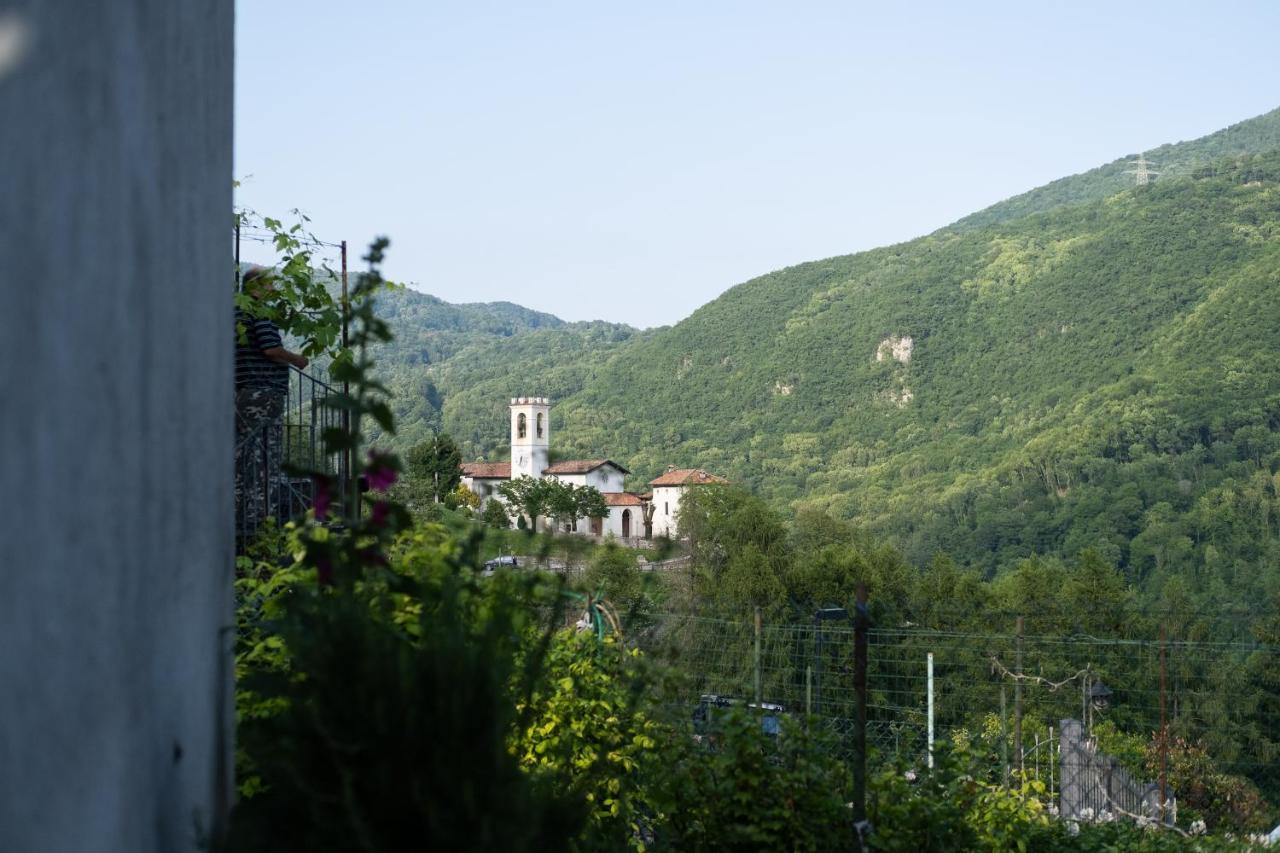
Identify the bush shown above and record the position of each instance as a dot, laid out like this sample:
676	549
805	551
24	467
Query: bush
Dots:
742	789
587	729
388	710
495	515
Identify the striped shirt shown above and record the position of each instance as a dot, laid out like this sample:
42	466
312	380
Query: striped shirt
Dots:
253	369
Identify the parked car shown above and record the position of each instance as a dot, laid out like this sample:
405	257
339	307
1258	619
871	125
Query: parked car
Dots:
709	703
506	560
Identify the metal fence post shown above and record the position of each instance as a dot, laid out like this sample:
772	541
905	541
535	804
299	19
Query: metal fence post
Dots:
861	626
1017	700
351	492
929	680
759	693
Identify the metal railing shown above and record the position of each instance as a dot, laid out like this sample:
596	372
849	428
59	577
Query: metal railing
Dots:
267	450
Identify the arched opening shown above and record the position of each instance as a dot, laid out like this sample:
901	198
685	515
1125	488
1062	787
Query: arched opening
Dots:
539	424
522	426
626	524
597	527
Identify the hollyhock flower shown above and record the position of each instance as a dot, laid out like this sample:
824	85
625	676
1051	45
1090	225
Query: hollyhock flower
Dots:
379	473
380	514
323	497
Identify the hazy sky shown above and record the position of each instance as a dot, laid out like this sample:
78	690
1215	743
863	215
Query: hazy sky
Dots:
631	161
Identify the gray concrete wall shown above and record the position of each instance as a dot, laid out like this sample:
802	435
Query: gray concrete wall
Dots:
115	421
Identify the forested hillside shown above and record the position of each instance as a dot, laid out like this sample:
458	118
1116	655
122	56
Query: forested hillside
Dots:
1105	375
1101	374
460	364
1172	160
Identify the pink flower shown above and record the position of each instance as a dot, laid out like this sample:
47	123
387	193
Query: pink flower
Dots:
323	497
380	514
380	474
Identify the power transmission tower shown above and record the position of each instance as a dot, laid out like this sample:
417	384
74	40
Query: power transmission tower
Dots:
1140	171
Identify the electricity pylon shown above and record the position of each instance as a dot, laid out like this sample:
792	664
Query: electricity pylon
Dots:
1140	171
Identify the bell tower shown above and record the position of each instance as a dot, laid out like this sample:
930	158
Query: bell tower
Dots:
530	436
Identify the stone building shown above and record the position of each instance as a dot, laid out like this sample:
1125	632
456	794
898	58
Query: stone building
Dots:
632	515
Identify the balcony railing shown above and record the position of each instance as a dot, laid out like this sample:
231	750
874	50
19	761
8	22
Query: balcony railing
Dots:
266	490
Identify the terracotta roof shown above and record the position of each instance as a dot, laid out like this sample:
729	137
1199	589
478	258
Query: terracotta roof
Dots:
581	466
686	477
622	499
487	470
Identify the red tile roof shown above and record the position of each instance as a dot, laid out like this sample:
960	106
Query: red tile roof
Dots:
581	466
686	477
487	470
622	499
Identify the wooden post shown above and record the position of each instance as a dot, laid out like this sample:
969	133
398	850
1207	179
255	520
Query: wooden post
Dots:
351	491
1164	733
1004	736
861	627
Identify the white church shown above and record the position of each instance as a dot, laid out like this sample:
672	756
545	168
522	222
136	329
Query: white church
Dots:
632	515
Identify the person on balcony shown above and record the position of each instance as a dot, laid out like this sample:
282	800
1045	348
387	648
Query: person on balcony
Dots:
262	382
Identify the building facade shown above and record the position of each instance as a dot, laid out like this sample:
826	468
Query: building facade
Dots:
632	515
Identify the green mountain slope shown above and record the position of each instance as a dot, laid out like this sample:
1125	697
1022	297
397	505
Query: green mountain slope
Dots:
1173	160
1078	378
1090	365
459	364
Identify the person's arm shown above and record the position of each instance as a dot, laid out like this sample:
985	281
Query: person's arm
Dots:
267	338
280	355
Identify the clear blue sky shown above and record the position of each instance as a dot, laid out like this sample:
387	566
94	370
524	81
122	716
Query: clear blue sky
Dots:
631	161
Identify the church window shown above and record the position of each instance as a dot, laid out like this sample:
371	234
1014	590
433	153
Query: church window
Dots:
666	507
522	426
539	424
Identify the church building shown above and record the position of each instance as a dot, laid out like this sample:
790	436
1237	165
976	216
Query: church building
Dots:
632	515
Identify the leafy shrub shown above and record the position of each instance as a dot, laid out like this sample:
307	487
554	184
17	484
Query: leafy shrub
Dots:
1221	800
587	726
743	789
390	721
947	808
495	515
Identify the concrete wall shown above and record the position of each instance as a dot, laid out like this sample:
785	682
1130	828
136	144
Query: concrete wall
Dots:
115	422
606	478
666	503
613	524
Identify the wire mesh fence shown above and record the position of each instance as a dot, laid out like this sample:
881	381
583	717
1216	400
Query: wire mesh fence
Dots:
1135	727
